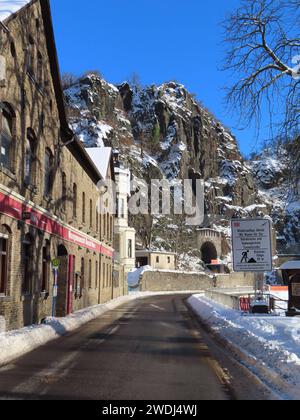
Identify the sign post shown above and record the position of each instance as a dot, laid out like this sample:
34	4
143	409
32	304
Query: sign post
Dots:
55	267
252	252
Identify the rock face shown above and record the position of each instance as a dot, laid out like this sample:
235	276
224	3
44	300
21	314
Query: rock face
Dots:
278	188
163	132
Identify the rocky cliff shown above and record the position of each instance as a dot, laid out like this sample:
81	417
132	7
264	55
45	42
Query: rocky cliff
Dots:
163	132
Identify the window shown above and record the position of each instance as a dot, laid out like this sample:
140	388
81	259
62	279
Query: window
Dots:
74	201
4	258
64	191
96	276
31	56
111	228
90	274
30	157
97	220
48	173
91	213
7	120
104	275
82	272
130	248
12	49
105	225
39	75
169	260
27	264
46	267
83	207
42	123
157	260
122	208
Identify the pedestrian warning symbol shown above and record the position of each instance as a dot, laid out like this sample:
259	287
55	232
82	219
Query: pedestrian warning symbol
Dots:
252	245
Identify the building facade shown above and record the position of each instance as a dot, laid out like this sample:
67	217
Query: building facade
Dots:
48	185
158	260
124	234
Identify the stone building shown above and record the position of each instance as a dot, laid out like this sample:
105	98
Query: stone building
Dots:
48	183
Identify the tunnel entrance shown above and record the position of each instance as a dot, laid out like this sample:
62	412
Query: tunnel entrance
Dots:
209	252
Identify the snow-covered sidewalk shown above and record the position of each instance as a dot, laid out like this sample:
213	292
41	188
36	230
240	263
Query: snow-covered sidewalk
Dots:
268	345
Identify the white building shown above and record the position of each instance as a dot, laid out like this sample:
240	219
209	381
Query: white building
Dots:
124	235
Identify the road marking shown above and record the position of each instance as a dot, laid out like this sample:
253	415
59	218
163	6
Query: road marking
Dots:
114	330
157	307
55	371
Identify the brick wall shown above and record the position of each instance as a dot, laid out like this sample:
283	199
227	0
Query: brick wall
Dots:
32	101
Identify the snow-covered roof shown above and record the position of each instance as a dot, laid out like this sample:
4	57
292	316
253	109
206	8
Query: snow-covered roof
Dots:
101	157
291	265
141	252
8	7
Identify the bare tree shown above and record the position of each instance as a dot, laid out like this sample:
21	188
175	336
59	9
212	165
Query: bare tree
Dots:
263	37
68	80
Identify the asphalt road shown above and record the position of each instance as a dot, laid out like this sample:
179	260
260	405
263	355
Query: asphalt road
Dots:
149	349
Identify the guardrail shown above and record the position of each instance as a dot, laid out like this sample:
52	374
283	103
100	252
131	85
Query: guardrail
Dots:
243	300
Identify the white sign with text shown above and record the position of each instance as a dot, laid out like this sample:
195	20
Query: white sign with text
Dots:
252	245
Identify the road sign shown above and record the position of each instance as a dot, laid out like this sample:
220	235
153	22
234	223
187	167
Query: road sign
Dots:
55	263
252	245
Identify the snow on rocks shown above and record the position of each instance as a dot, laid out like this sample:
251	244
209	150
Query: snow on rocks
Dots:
268	345
92	133
9	7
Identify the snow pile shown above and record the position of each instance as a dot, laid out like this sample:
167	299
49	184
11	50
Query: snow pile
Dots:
134	276
269	345
8	7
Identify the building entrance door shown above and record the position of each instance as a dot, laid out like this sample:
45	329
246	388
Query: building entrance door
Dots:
62	281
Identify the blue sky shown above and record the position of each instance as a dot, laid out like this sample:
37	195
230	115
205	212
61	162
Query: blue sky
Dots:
160	40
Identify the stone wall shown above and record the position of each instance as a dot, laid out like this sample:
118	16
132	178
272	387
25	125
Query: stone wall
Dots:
163	281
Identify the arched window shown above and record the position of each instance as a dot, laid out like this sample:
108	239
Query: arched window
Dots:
46	267
5	238
6	136
83	207
74	201
30	157
27	264
48	173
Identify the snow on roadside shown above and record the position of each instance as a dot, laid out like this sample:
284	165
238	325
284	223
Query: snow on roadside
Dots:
272	343
135	275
